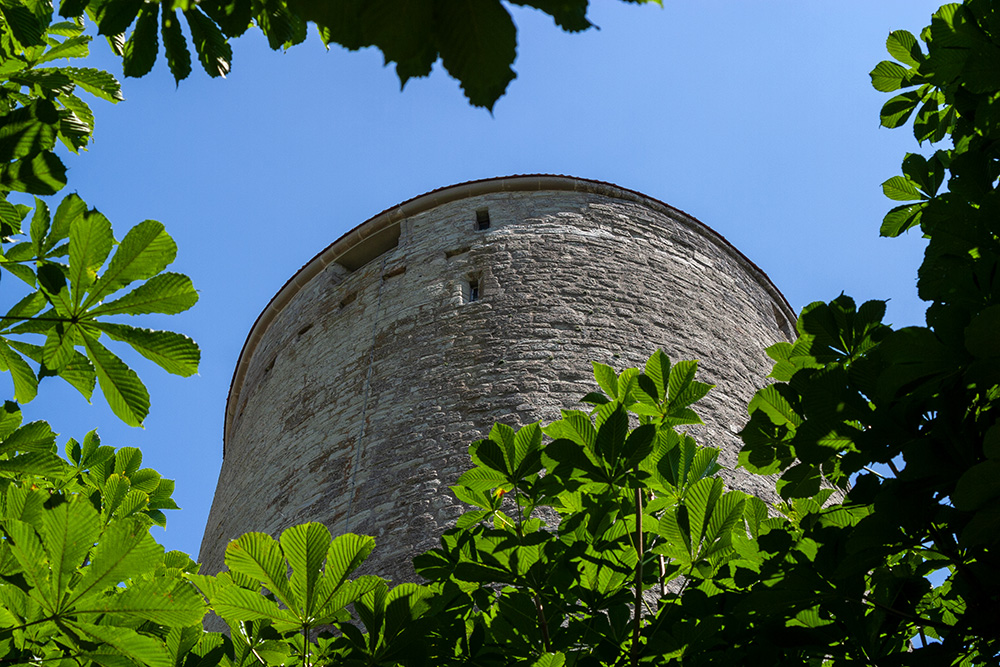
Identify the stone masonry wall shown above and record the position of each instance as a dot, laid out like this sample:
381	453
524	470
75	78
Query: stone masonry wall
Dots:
360	400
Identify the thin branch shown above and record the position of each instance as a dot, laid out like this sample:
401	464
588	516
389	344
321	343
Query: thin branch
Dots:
637	615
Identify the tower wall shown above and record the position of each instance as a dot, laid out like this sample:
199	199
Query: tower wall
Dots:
364	381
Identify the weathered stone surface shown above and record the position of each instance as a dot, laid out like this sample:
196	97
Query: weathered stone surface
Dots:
358	394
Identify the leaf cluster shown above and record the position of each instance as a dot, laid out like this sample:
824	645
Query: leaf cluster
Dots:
580	541
79	277
475	41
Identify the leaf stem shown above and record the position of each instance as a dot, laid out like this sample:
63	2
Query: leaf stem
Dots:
637	615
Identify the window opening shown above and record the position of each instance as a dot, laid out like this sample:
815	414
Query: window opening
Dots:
482	219
473	290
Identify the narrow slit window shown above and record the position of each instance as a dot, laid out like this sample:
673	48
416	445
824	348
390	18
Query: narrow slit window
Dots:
473	290
482	219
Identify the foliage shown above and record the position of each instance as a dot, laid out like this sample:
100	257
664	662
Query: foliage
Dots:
476	40
603	538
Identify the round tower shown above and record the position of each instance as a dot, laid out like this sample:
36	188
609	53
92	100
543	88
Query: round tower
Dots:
365	379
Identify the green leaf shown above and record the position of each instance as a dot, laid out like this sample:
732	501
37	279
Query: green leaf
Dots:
606	378
799	481
527	446
25	381
126	550
977	486
52	282
167	293
332	605
901	189
305	547
28	130
96	82
214	52
145	251
78	372
346	554
898	110
41	464
59	346
259	556
903	46
771	401
138	648
889	76
10	419
122	388
981	338
477	41
162	600
40	222
233	18
238	604
24	26
70	209
69	532
115	16
902	218
175	46
27	549
74	47
173	352
139	54
43	174
90	242
33	436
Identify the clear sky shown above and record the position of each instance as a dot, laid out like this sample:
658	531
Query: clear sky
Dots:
757	118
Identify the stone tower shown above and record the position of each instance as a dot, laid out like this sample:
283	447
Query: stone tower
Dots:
365	379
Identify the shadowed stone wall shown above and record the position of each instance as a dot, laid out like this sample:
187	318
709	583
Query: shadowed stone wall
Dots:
363	383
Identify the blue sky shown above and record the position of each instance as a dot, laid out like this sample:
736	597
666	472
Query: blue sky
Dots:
755	117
